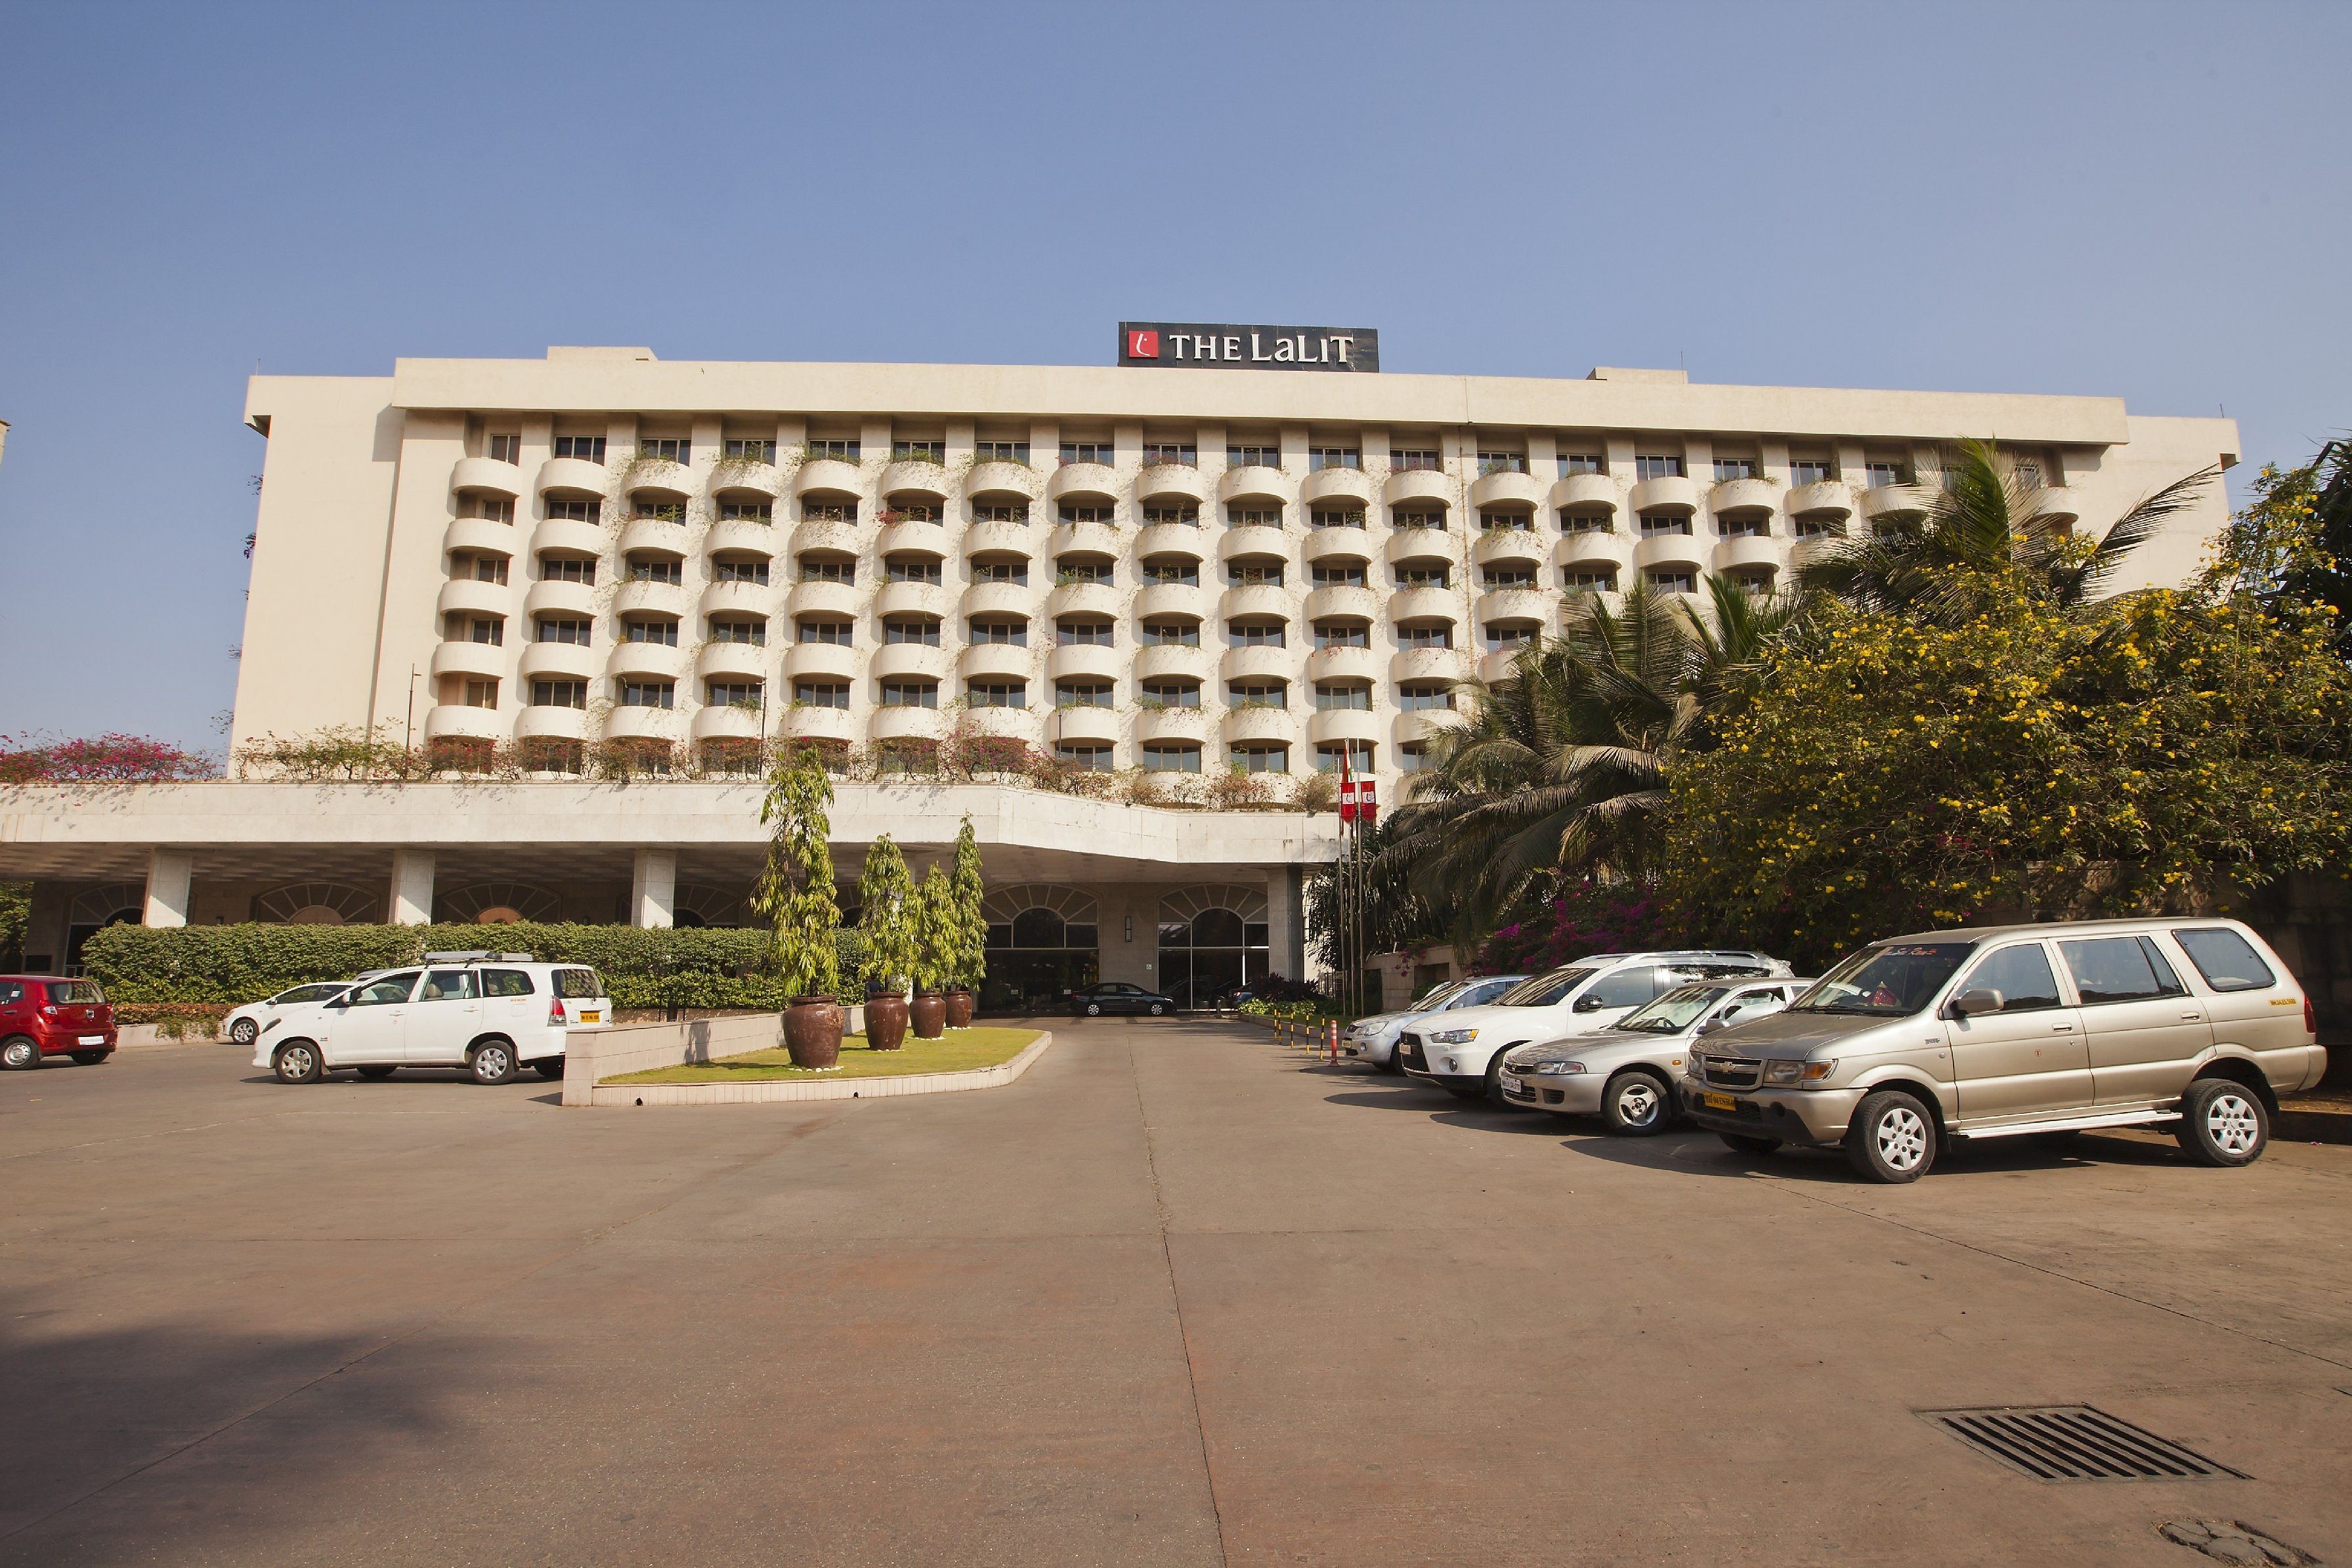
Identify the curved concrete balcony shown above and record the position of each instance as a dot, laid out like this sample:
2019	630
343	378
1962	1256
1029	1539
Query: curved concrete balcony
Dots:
1087	539
645	661
1422	544
1894	502
1593	550
480	535
741	598
1495	665
1515	607
1095	483
1104	598
1162	483
818	534
568	537
999	601
1342	603
660	479
1001	480
1508	547
1254	539
829	478
1086	661
999	539
1735	496
1171	600
727	722
558	598
1418	488
454	721
931	540
552	723
738	480
1172	723
820	661
1344	487
1346	665
1246	724
464	594
1421	723
1666	493
1424	605
997	662
1337	544
493	474
802	722
1668	550
1585	493
732	662
834	601
2055	506
1342	724
895	661
1082	723
913	599
561	662
1805	552
468	658
1258	664
1256	601
657	534
1429	665
1172	538
644	724
1730	555
1003	723
743	535
573	478
653	597
915	481
1822	496
1255	481
1508	489
1162	658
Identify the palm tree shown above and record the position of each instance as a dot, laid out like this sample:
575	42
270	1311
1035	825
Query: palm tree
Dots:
1984	523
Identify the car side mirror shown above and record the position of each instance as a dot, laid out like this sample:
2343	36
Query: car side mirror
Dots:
1979	1000
1587	1004
1710	1026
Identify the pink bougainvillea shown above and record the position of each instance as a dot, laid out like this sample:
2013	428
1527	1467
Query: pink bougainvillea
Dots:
1588	918
100	759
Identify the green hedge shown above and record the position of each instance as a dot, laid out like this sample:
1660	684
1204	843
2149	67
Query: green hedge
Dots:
710	967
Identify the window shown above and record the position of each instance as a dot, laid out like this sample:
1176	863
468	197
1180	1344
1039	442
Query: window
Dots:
447	986
1082	694
1424	576
2120	969
1411	457
670	449
660	511
1336	517
1579	463
390	989
1174	569
1343	634
1002	634
1879	476
827	569
747	512
747	449
1164	694
1260	756
1171	633
1012	571
753	634
908	629
663	632
490	508
996	693
1493	519
1507	576
1329	694
648	694
1338	574
558	694
1729	469
1070	513
1333	457
1254	633
479	568
1253	573
2020	974
552	629
567	568
2028	477
739	571
1099	452
1422	698
1809	470
1744	526
1502	463
1625	988
509	983
1072	632
1183	454
1656	523
1171	756
2227	960
1082	569
1588	522
1435	635
1001	512
828	511
504	448
820	694
1001	452
1587	580
911	569
576	511
911	694
484	629
918	452
1504	636
1252	516
1672	581
1657	466
1190	516
1257	694
1418	519
838	450
1820	525
657	568
587	449
1253	457
1093	759
835	632
1413	756
1357	754
733	693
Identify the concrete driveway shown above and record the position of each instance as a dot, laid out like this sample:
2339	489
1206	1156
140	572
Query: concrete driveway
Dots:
1170	1298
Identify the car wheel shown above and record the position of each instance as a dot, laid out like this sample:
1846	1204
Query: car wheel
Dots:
297	1062
493	1061
1637	1103
91	1058
2223	1123
1094	1009
380	1071
1155	1010
1493	1088
549	1066
1893	1138
20	1053
1740	1142
245	1031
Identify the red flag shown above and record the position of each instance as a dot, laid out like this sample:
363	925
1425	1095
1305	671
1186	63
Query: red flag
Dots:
1368	805
1347	792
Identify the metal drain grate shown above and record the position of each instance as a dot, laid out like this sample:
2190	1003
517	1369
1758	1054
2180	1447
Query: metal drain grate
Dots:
2074	1443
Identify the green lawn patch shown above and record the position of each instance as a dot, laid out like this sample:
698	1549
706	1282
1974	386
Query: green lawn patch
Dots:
960	1051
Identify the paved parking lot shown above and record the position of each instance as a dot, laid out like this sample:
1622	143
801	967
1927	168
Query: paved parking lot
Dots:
1172	1299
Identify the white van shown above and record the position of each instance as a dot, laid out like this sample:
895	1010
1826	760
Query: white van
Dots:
490	1013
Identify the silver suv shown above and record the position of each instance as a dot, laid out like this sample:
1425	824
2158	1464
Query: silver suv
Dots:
2193	1024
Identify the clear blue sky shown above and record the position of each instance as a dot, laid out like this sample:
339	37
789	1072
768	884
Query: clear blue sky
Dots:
2145	200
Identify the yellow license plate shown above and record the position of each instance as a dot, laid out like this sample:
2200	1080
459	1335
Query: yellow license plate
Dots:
592	1016
1721	1103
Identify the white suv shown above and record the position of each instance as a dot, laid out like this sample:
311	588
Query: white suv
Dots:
490	1014
1461	1053
1374	1039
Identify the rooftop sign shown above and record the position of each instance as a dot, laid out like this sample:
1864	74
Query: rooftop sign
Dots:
1220	346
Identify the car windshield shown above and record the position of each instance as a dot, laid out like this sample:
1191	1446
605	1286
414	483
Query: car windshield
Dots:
1440	994
317	993
1543	991
1674	1012
1886	982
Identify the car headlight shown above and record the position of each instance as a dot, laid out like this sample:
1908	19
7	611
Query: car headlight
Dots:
1560	1067
1796	1074
1455	1036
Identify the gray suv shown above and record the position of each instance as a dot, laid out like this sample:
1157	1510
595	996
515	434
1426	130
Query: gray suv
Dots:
2191	1024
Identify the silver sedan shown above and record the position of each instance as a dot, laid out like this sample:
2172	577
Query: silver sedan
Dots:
1624	1074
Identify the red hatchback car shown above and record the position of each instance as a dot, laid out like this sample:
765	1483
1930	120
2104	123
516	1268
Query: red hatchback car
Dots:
41	1015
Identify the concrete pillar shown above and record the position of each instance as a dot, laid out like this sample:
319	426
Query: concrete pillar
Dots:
1285	922
170	873
653	888
411	887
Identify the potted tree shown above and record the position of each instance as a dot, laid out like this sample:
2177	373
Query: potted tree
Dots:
971	931
887	894
935	940
795	898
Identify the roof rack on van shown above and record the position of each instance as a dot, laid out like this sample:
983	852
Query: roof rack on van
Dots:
478	955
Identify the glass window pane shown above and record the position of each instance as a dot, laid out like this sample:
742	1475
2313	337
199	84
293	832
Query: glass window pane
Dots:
2021	975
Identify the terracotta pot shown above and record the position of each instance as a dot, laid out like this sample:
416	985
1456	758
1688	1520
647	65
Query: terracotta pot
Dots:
960	1006
930	1015
813	1031
885	1020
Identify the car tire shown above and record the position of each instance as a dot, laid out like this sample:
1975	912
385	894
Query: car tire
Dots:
492	1061
1892	1138
91	1058
378	1071
1637	1104
243	1031
549	1066
1155	1010
2223	1123
20	1053
297	1061
1094	1009
1741	1143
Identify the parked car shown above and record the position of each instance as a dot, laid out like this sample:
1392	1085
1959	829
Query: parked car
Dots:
491	1015
1626	1074
1374	1039
249	1023
1461	1053
43	1015
1924	1041
1119	996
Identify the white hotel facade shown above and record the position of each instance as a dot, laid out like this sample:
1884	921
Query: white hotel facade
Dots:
1174	569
